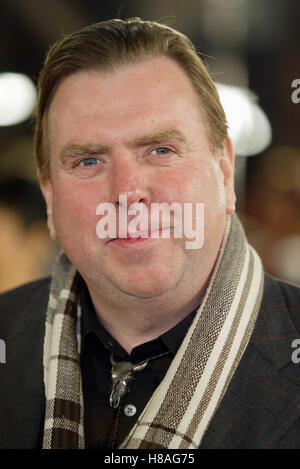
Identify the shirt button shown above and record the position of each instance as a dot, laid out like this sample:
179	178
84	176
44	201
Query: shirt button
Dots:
129	410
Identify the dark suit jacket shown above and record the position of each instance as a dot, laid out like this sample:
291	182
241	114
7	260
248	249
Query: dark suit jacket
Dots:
260	409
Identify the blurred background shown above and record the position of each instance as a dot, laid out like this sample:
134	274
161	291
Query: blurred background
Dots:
252	49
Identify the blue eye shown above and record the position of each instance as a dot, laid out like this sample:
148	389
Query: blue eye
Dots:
161	151
88	162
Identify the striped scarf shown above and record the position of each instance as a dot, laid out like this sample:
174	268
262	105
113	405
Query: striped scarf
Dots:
182	407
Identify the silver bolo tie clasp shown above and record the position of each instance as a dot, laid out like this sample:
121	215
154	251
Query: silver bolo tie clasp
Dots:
121	373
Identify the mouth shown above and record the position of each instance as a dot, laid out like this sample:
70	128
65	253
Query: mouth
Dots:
139	239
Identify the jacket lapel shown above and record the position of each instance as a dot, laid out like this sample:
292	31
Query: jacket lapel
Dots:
261	406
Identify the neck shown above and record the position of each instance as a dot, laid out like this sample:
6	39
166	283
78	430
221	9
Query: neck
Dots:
134	321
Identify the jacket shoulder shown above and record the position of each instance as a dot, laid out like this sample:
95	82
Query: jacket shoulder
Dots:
278	292
22	328
30	299
25	290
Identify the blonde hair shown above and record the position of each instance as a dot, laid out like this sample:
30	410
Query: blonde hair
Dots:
107	45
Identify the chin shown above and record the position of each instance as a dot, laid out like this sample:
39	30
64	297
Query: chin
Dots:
146	289
144	293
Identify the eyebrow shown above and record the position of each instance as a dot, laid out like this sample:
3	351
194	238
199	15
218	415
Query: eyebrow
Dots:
71	150
159	137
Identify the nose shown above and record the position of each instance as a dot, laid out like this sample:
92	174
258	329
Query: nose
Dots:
129	178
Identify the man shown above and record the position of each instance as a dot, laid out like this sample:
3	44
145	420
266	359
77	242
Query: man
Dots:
142	342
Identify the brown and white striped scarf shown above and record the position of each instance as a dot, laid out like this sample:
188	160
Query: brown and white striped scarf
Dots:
182	407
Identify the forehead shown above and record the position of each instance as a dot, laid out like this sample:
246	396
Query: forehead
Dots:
140	94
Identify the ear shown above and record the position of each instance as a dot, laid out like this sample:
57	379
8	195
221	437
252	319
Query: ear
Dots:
227	167
47	191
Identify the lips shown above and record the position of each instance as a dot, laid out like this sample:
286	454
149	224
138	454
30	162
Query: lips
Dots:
142	234
139	236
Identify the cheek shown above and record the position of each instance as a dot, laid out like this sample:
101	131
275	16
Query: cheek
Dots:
173	185
192	183
75	209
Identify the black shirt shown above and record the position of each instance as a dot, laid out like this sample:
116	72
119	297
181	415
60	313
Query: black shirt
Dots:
106	427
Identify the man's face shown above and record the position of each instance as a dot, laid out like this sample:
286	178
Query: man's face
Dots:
136	132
